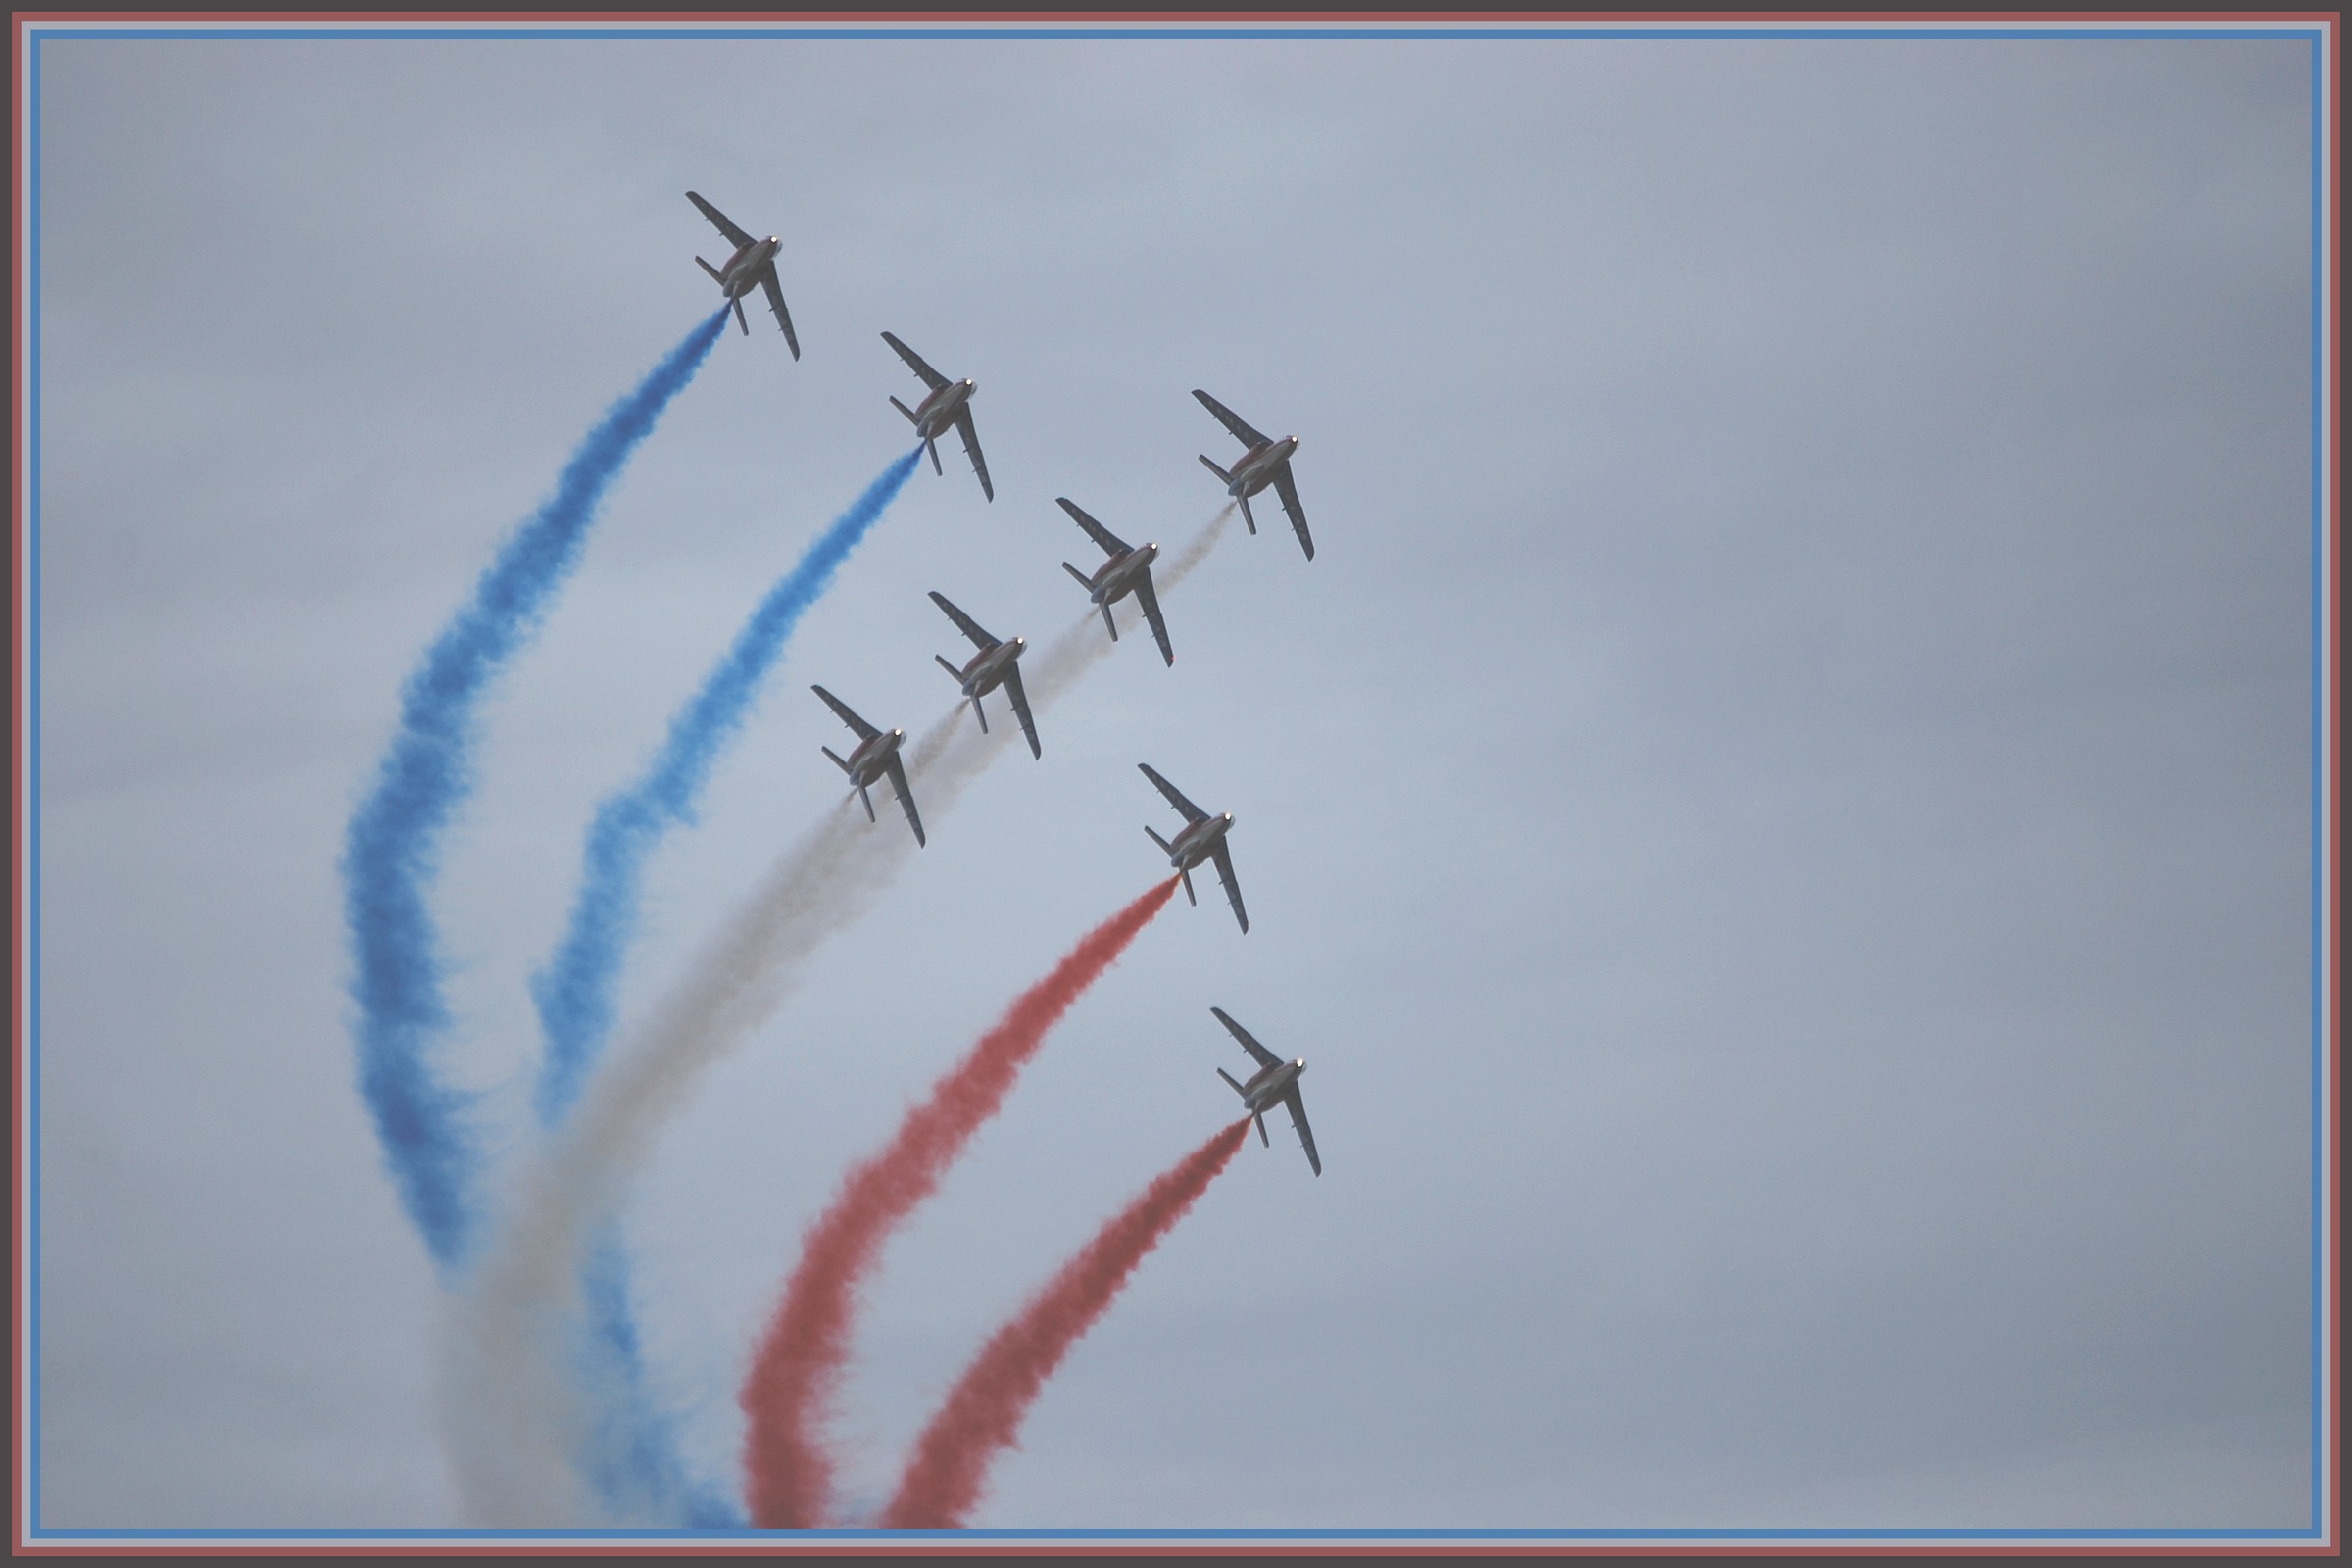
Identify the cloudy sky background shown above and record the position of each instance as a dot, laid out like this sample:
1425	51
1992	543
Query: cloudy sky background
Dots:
1779	814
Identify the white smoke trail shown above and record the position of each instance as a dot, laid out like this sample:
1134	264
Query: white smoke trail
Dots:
518	1418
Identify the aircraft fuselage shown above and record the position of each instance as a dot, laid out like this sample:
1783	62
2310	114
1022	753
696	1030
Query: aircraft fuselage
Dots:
985	670
936	415
1116	578
1197	842
1259	464
1265	1089
871	759
741	275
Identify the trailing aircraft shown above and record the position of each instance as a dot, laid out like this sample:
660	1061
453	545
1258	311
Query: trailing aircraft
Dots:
1202	838
1127	571
876	757
753	265
949	405
996	664
1276	1082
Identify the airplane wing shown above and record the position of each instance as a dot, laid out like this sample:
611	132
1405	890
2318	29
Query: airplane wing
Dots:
1289	492
1150	600
898	781
775	303
1192	812
1230	419
1257	1052
914	362
1020	705
1233	888
963	623
735	236
971	449
1306	1138
866	731
1111	542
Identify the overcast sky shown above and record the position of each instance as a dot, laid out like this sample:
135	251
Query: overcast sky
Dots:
1779	814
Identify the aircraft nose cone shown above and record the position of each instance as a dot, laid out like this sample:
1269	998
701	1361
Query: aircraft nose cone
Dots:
1020	641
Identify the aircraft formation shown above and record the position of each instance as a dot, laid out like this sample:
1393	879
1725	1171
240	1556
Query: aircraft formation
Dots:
1124	572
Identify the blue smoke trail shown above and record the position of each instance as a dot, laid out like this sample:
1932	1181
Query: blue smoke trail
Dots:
574	990
634	1463
391	850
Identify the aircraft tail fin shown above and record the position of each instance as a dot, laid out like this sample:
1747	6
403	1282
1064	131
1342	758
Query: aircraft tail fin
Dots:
1109	624
1213	469
931	446
869	802
1245	517
903	409
739	320
1084	581
1262	1139
1237	1086
951	670
1165	847
1187	874
837	761
713	271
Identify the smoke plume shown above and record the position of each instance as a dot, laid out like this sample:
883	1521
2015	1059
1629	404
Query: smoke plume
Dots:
632	1459
512	1422
574	990
797	1369
391	850
983	1413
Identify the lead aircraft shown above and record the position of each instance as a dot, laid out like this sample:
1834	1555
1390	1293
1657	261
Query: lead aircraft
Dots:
1266	463
949	404
1202	838
753	265
876	757
1275	1081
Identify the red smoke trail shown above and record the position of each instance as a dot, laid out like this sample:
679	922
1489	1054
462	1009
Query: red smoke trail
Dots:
985	1410
796	1370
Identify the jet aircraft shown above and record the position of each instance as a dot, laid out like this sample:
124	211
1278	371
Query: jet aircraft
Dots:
1266	463
950	404
1276	1081
1127	571
996	664
753	265
1202	838
876	755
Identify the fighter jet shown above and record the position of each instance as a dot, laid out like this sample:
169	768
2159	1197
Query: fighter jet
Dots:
1275	1080
877	754
1266	463
753	265
996	664
1126	571
950	404
1202	839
